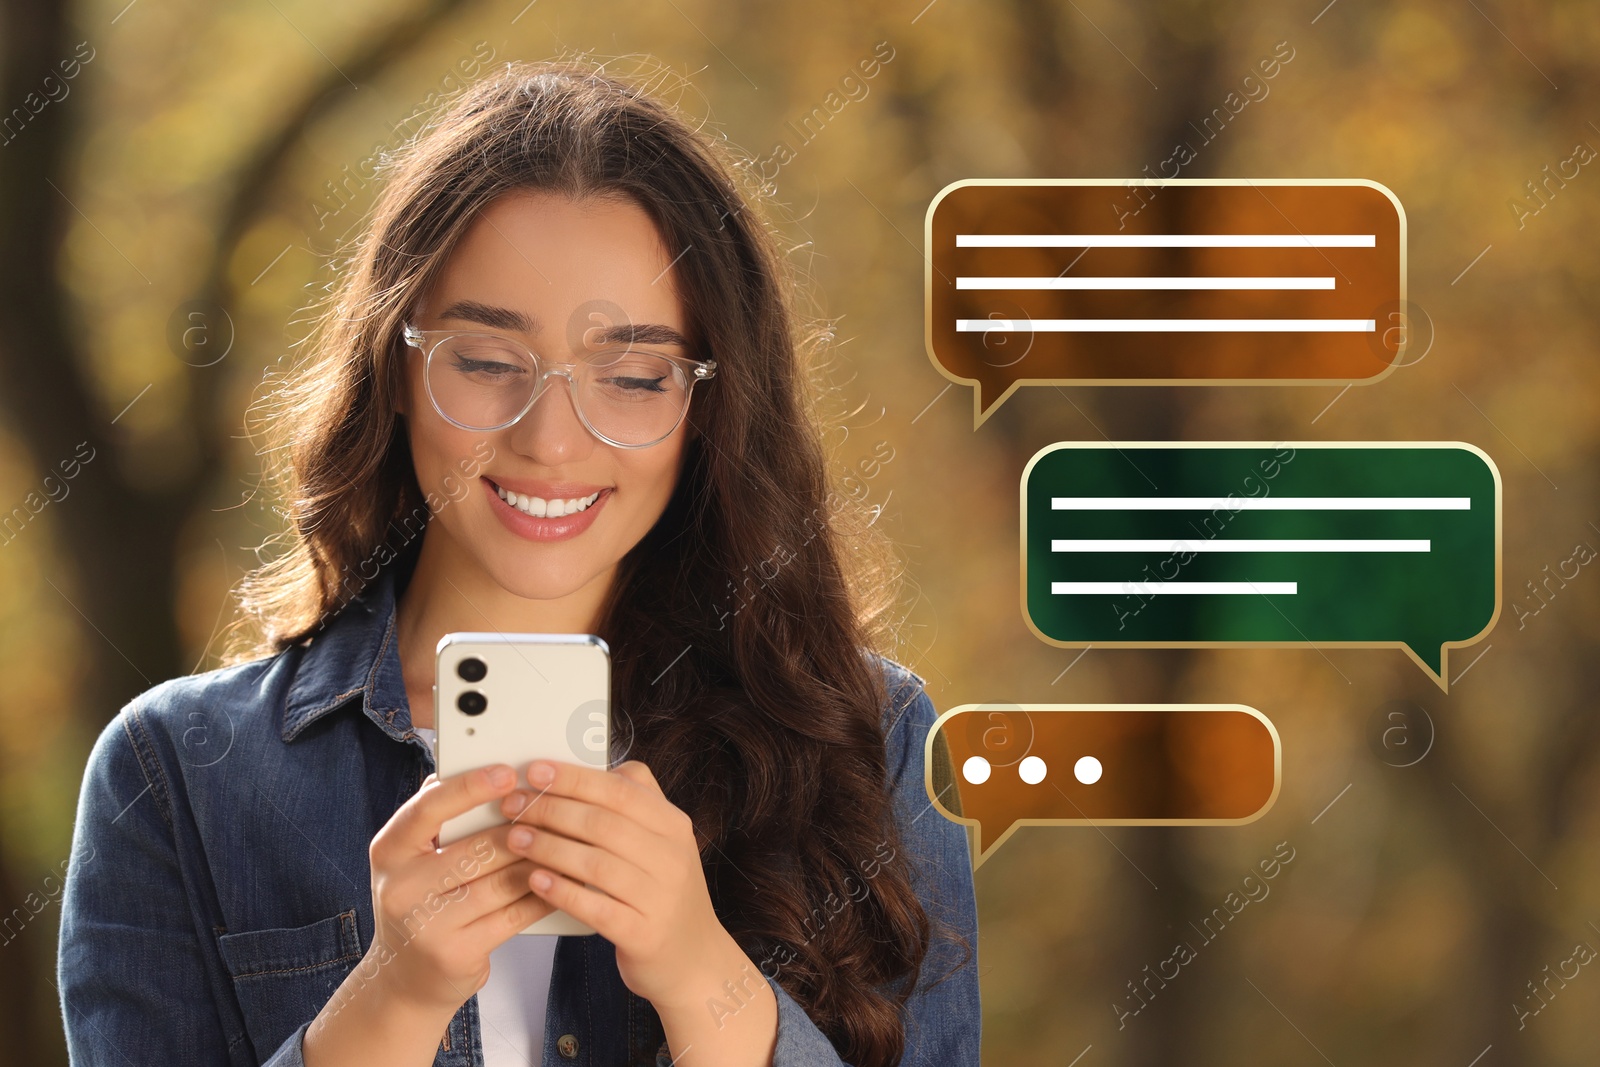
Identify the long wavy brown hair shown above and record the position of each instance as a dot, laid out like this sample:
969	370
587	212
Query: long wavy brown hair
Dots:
739	625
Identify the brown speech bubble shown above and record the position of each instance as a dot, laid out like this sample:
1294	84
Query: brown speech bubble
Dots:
1184	282
1104	764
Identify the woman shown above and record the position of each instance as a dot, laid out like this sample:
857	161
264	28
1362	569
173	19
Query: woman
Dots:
557	390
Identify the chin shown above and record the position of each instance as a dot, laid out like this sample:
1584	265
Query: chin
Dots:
536	579
535	582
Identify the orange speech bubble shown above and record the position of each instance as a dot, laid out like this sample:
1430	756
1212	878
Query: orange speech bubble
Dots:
1105	764
1147	282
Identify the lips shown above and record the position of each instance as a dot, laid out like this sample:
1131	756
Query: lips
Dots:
548	490
572	514
553	507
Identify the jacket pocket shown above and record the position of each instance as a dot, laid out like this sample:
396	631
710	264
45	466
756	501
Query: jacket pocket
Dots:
284	977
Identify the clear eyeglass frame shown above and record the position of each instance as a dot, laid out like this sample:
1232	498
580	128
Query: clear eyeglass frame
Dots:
699	370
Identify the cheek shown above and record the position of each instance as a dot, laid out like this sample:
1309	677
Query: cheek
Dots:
442	455
652	478
645	485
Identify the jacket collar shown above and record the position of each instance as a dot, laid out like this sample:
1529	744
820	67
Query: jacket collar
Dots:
356	655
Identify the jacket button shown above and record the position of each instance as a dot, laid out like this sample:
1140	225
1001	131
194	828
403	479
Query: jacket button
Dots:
663	1056
567	1045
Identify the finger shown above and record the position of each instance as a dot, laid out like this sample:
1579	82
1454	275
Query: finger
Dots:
611	918
496	925
414	826
468	902
488	893
618	792
638	771
590	823
495	891
599	867
514	803
473	857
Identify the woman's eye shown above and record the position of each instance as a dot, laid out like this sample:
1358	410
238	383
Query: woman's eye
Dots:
483	367
651	385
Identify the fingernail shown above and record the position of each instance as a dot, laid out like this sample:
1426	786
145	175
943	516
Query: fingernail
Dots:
521	836
500	777
542	774
514	803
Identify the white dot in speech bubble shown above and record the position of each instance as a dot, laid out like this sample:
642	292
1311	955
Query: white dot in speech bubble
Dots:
1032	770
975	770
1087	770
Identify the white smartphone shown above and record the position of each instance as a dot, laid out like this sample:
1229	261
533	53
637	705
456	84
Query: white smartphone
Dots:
514	698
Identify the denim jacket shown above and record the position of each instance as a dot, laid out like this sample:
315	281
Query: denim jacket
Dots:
219	889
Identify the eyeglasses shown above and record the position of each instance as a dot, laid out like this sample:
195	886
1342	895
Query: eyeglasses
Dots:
626	398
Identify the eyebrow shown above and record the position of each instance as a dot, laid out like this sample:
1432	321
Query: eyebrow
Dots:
487	315
500	318
640	333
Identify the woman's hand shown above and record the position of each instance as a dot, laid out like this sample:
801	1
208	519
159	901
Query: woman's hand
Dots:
617	831
647	895
438	913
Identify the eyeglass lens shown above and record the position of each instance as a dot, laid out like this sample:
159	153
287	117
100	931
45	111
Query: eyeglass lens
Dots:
631	397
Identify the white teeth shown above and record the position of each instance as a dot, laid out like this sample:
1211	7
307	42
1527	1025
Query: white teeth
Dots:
541	508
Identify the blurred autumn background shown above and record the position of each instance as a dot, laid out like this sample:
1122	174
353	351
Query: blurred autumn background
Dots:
175	181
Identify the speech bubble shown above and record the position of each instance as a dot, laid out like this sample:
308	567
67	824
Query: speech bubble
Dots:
1104	765
1191	281
1164	544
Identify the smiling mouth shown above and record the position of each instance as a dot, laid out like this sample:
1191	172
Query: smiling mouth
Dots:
540	508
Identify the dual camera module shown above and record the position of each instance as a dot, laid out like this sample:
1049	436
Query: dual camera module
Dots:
471	702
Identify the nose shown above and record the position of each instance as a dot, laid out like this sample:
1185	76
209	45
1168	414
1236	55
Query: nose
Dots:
551	433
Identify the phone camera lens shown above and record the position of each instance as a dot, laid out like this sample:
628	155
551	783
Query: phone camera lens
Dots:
472	669
472	702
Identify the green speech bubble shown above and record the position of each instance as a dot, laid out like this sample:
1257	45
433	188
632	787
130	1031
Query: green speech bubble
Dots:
1366	544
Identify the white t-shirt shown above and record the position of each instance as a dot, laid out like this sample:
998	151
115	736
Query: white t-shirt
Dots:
512	1003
